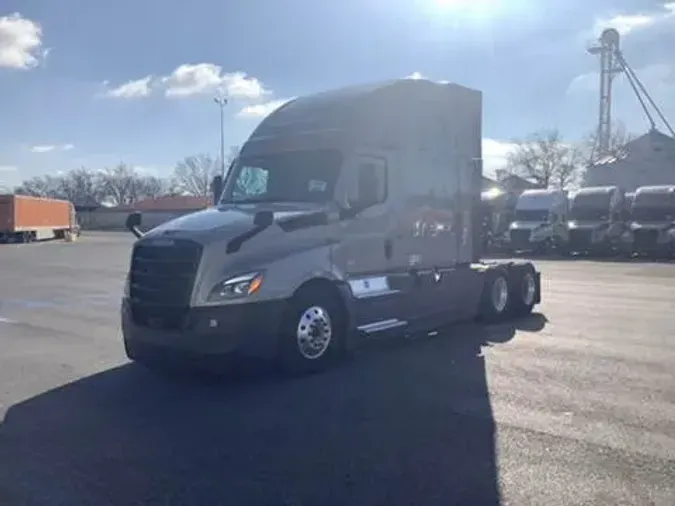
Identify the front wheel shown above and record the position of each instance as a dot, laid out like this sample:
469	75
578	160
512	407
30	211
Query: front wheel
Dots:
313	332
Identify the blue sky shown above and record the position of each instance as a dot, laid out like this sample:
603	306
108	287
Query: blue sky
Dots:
94	83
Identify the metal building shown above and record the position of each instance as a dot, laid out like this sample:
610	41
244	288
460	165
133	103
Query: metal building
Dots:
646	161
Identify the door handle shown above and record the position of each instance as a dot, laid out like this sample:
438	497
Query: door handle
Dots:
388	248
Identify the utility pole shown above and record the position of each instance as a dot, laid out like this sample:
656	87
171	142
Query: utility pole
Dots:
221	100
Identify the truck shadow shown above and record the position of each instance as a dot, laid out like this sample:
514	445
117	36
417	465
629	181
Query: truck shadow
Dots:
409	425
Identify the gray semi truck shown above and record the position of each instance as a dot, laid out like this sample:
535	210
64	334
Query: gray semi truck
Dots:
348	215
653	221
598	220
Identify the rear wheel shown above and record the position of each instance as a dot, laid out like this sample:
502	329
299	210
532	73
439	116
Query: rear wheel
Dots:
312	335
523	290
495	299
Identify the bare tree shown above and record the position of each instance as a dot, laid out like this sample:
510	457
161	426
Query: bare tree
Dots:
151	187
617	142
546	159
121	184
193	174
40	186
82	187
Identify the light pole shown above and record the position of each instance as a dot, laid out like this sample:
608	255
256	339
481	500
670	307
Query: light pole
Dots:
221	100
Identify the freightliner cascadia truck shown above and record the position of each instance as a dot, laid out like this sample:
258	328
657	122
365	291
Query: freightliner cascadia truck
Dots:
348	215
597	221
653	221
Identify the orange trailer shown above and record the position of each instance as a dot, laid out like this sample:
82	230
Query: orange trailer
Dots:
24	218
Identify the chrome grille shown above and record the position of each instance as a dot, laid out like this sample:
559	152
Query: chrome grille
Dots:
645	239
580	237
161	279
520	239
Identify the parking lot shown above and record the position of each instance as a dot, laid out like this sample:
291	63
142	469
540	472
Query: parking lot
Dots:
574	405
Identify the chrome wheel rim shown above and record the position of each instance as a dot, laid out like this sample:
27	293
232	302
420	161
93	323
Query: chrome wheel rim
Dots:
500	294
314	332
529	288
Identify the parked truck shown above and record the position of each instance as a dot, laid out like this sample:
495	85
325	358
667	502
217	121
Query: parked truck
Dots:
498	213
25	219
347	215
597	220
540	222
653	221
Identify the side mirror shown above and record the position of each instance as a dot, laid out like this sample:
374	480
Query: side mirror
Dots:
263	219
133	222
217	188
349	209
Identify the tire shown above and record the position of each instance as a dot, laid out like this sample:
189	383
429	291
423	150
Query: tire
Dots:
495	299
312	334
523	290
132	352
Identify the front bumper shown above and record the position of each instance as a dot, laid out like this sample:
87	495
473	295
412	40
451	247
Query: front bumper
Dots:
249	330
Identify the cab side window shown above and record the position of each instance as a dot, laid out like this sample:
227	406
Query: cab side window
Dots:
371	183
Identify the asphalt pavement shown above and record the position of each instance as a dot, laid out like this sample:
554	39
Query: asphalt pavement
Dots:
574	405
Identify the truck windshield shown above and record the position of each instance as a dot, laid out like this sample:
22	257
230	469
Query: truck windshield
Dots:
594	206
537	215
644	213
581	213
292	176
654	207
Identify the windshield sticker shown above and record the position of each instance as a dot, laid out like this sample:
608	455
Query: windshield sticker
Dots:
317	186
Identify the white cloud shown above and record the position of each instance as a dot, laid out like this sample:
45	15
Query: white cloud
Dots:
192	79
261	110
201	78
20	42
657	78
132	89
495	154
415	76
47	148
624	24
628	23
8	168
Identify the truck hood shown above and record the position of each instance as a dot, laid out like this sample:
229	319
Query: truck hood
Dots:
587	225
526	225
230	220
651	225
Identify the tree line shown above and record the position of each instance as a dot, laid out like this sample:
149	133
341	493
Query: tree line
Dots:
544	158
550	161
124	184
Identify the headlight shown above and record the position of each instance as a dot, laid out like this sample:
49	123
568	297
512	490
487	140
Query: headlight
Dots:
126	286
238	286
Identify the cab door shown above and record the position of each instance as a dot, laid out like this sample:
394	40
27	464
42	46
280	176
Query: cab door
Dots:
367	248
